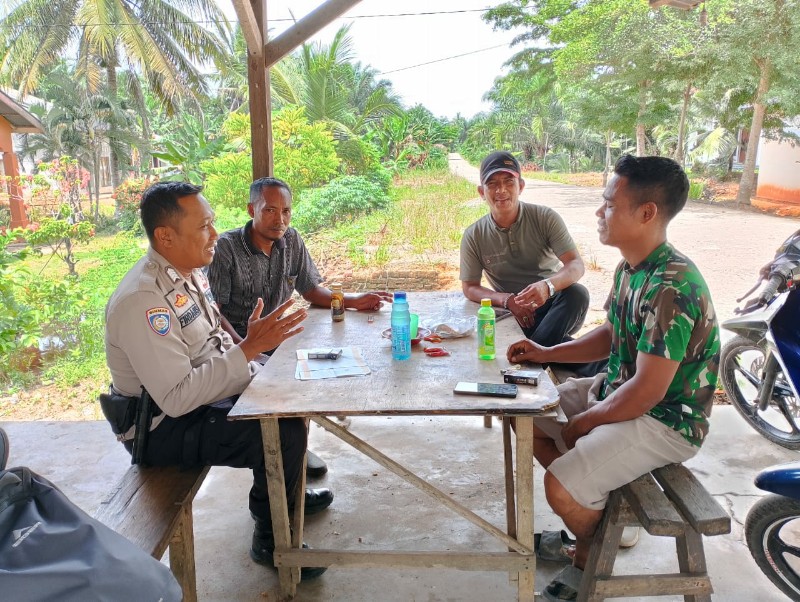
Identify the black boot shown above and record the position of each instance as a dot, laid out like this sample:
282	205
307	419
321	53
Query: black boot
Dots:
263	549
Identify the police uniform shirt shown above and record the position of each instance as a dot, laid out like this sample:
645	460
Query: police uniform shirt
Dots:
163	331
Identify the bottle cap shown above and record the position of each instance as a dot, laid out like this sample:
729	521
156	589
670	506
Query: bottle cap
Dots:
486	302
399	296
336	285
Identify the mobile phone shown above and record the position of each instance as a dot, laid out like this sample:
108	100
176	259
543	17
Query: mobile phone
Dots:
487	389
330	354
521	377
501	314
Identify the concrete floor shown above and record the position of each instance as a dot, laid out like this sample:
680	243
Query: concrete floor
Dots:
374	510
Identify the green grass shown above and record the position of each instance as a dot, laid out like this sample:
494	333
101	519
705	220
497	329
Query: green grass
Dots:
428	215
696	189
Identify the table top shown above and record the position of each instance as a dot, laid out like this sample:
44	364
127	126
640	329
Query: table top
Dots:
418	386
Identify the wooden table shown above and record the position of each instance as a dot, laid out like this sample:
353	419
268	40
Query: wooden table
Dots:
419	386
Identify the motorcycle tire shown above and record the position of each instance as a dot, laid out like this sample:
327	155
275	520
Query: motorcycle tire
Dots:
763	530
746	402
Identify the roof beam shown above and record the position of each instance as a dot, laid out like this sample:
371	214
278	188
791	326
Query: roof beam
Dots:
683	4
250	30
306	27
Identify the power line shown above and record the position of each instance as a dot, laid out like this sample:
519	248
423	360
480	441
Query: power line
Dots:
447	58
277	20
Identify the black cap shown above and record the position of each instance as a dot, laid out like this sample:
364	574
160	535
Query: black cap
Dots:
499	161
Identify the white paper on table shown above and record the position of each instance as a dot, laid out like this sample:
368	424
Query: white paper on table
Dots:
351	363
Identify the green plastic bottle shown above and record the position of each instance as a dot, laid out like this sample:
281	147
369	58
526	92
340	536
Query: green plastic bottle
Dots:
486	330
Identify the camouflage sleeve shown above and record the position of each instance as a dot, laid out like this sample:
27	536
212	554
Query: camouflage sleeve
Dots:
669	309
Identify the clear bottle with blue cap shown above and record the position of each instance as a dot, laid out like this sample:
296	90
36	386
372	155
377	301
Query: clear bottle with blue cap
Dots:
401	327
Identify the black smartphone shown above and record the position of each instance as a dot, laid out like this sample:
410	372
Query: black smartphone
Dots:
488	389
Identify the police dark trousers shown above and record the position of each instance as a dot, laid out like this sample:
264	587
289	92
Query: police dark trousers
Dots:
561	316
205	437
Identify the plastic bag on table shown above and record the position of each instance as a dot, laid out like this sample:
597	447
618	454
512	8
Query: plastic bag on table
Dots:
450	322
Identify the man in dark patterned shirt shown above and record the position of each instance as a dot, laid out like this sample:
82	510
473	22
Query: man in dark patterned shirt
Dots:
266	259
662	341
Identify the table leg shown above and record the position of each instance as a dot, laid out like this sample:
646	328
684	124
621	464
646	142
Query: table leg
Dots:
524	433
298	517
508	456
276	485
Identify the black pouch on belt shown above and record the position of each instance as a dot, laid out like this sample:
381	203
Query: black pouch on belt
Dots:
120	411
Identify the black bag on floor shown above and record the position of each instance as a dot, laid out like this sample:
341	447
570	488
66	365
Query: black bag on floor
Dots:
52	550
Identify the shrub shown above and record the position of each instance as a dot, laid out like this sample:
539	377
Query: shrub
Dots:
127	197
343	199
696	189
228	178
305	156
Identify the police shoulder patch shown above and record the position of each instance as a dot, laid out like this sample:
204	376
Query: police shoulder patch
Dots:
158	318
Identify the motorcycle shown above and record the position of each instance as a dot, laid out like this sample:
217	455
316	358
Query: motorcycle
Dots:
772	527
760	366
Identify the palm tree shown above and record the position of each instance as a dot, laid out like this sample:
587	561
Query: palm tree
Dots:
157	38
323	79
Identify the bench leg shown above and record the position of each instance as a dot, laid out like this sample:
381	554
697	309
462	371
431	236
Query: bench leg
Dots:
692	559
604	548
181	554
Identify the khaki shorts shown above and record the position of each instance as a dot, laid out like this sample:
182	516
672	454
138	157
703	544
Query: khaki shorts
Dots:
611	455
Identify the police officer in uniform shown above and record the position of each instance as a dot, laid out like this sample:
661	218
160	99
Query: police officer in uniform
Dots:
163	333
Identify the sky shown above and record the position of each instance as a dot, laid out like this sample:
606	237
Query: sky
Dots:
397	46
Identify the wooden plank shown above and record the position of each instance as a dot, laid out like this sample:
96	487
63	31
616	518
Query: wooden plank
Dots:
181	555
603	551
682	4
249	24
146	505
465	561
652	508
306	27
525	587
408	476
416	387
260	102
626	586
696	504
278	506
508	462
692	559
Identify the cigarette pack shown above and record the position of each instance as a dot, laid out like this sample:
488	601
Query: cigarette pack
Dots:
521	377
330	354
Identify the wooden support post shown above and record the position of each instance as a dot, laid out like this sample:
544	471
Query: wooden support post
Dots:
260	103
19	218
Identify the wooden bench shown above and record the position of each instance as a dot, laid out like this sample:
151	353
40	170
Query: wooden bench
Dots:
670	502
153	508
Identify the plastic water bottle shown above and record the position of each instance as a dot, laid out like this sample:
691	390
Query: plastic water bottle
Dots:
401	327
486	323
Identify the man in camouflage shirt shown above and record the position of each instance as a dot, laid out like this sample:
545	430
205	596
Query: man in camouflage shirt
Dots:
662	341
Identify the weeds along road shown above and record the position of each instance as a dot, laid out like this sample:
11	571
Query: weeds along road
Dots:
728	245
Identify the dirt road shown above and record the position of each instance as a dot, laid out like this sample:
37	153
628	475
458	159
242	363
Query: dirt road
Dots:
728	245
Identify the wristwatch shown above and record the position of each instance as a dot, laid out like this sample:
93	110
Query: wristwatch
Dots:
550	288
